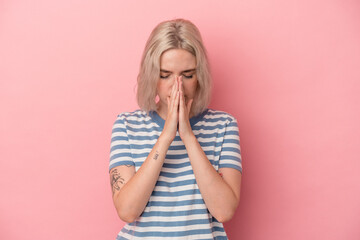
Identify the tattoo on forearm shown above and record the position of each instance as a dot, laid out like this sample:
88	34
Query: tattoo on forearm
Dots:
156	155
116	181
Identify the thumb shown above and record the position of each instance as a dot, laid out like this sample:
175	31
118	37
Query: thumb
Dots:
168	101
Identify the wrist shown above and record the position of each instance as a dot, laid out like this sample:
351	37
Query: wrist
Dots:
163	139
189	139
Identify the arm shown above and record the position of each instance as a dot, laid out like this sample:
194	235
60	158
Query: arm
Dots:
131	191
221	194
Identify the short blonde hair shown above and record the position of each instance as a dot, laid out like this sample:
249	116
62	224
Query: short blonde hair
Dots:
173	34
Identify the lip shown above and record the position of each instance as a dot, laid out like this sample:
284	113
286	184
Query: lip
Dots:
185	97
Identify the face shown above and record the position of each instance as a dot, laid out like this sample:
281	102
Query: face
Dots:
176	62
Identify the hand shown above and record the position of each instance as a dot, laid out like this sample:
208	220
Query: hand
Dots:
185	130
171	122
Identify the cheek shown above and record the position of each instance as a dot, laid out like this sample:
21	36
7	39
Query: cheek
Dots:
164	89
190	88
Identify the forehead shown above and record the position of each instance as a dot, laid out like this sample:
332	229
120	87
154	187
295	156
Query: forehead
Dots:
177	60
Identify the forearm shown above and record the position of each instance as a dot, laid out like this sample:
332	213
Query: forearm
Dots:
133	197
219	198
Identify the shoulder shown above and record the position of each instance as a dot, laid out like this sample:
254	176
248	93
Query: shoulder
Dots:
129	119
220	116
137	115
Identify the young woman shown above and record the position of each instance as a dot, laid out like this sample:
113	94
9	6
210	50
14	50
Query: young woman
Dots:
175	165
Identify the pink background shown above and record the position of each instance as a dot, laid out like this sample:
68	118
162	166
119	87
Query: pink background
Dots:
289	71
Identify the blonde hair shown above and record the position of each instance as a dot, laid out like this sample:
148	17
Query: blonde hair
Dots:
173	34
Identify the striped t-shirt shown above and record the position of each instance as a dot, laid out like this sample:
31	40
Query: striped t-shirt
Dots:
176	209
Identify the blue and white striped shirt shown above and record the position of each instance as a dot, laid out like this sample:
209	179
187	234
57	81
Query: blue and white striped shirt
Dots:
176	209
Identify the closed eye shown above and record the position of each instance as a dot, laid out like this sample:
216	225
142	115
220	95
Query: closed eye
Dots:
185	76
190	76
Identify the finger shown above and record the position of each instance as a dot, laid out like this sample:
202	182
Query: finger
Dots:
176	90
182	98
181	107
181	83
176	96
176	102
181	88
172	98
173	92
188	106
177	83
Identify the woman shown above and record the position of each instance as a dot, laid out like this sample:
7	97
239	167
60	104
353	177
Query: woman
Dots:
175	165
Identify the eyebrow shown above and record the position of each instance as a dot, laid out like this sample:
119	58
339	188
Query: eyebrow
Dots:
186	71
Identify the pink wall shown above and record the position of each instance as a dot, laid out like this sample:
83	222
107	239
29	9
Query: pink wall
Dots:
288	70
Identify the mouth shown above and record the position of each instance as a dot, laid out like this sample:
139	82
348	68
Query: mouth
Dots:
185	97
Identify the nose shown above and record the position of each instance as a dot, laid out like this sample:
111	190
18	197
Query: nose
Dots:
174	79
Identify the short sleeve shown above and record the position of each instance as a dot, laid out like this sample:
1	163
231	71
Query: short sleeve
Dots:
120	151
230	156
